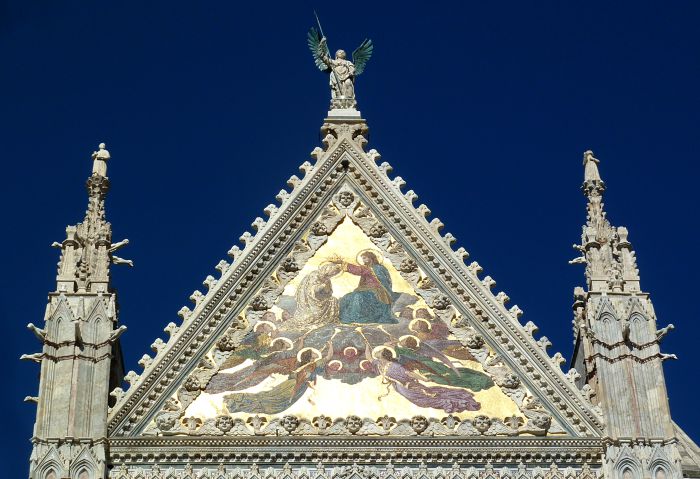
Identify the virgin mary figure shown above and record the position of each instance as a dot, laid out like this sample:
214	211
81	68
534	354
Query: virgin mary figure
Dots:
315	304
372	299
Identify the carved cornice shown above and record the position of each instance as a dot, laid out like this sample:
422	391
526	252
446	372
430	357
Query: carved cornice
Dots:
348	449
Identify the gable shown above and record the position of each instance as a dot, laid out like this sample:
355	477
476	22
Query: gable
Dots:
348	347
238	360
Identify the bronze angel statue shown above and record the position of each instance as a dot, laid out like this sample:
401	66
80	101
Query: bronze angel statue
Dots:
342	71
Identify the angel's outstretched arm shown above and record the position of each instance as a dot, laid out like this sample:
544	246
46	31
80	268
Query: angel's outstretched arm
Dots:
323	52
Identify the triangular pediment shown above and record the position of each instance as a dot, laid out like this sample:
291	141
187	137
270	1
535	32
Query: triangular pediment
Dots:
304	334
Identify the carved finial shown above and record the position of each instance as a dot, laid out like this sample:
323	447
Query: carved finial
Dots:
99	161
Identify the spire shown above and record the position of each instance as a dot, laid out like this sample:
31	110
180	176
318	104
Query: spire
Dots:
617	348
80	357
611	265
86	253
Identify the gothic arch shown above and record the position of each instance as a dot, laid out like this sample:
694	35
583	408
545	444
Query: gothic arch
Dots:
50	466
95	326
659	466
628	468
84	466
62	320
98	315
661	470
605	308
639	328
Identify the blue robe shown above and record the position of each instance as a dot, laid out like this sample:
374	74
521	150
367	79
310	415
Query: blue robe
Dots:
364	306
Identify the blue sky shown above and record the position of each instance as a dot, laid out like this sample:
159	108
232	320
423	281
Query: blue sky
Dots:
484	108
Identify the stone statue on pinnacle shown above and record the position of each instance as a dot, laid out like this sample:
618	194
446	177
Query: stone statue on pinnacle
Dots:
342	71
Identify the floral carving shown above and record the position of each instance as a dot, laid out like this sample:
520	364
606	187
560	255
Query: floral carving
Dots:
193	384
408	265
441	302
171	405
475	341
460	322
259	303
510	381
422	471
256	422
513	422
377	230
450	421
319	229
226	343
192	423
322	423
386	422
290	265
427	283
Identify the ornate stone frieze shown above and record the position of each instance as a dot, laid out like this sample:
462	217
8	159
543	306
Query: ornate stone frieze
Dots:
357	471
179	450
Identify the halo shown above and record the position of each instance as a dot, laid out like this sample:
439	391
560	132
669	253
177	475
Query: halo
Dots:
334	362
350	347
289	342
414	323
263	322
330	263
377	254
406	336
363	362
378	349
314	350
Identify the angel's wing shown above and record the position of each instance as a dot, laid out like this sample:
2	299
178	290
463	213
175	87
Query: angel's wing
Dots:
314	41
361	55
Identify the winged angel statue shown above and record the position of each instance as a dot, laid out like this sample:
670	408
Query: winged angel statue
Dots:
342	71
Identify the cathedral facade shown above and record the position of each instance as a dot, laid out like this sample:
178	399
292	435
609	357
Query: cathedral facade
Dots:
345	338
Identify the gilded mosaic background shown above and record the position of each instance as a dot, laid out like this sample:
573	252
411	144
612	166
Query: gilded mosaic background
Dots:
349	336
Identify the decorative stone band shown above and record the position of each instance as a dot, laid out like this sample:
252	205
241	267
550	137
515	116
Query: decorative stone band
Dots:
535	424
69	357
633	357
177	451
631	344
357	471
